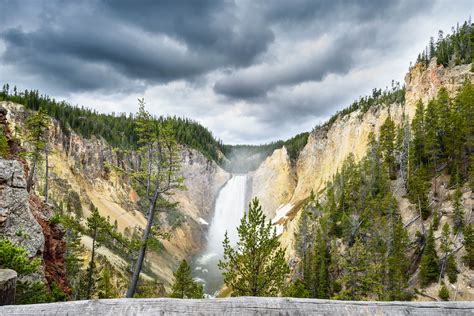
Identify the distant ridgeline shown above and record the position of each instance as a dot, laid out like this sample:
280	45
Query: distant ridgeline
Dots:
117	129
244	158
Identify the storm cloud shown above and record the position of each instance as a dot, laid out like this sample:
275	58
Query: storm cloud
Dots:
252	71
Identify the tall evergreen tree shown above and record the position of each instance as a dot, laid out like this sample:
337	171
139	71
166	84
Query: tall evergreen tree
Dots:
184	285
446	248
387	146
458	210
357	280
257	266
154	177
469	245
98	229
37	126
304	240
322	262
429	265
398	262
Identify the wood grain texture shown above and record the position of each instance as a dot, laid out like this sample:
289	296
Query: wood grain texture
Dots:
240	306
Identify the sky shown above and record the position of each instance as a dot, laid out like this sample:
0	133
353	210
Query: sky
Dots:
250	71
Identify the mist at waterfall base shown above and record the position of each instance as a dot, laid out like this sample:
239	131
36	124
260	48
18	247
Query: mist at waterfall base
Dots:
229	208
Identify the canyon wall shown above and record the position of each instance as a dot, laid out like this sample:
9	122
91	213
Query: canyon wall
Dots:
80	174
327	148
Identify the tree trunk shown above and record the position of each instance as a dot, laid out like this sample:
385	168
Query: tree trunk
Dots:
141	255
29	183
91	267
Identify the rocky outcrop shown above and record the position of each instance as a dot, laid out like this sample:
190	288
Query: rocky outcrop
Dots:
422	83
274	181
17	223
240	306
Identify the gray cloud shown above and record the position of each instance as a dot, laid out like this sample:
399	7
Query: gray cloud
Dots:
250	70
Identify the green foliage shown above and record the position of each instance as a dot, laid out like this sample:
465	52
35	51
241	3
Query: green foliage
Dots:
358	207
16	258
443	293
257	265
458	211
56	294
451	269
105	287
37	125
27	292
453	48
429	265
184	285
469	246
149	289
387	146
118	129
393	95
31	293
359	272
297	289
4	148
99	229
449	263
175	218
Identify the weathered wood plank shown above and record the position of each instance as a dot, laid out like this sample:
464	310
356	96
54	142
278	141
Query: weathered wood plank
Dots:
240	306
7	286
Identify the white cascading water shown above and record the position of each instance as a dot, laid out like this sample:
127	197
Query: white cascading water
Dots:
229	209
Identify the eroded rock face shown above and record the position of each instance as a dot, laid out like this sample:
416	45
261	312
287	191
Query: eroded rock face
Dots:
17	223
274	181
54	244
424	83
79	175
327	148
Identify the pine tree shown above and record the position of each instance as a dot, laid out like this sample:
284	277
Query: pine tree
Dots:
387	146
418	142
458	211
99	229
429	265
356	280
448	263
37	126
443	293
297	288
398	263
257	266
105	288
469	245
452	269
321	263
304	239
155	177
184	285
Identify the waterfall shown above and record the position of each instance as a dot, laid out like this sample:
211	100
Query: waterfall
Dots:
229	209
